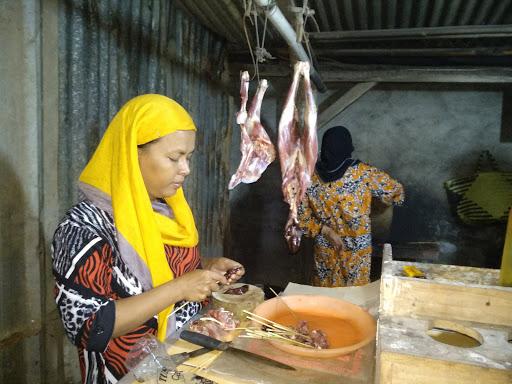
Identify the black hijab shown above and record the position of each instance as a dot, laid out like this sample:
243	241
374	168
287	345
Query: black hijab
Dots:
335	154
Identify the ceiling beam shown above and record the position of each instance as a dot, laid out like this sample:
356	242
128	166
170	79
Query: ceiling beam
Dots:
353	73
417	52
334	105
414	33
418	75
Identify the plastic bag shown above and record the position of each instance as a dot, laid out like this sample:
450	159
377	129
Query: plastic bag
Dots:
148	360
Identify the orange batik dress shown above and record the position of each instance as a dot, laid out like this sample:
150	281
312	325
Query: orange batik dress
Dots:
344	205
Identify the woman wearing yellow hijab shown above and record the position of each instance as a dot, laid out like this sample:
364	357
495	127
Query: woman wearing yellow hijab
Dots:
126	254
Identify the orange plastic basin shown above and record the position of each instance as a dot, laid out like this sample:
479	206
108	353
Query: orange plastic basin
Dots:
348	326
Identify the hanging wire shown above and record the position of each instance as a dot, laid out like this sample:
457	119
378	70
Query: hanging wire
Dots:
247	14
302	35
309	15
259	54
258	48
264	29
248	9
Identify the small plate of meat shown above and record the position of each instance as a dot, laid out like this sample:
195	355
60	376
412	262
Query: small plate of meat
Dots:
217	323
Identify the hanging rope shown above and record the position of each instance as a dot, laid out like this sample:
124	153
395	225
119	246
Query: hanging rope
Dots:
259	54
302	15
247	14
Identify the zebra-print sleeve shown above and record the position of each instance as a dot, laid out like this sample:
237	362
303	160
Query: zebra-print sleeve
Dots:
82	264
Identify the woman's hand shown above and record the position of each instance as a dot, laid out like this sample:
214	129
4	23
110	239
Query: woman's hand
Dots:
197	285
192	286
333	237
224	265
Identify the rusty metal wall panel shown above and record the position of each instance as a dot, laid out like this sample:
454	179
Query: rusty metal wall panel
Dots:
111	51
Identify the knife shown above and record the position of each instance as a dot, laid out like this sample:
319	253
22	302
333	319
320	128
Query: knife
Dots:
180	358
211	343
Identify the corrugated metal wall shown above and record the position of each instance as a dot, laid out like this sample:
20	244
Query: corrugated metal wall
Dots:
53	112
114	50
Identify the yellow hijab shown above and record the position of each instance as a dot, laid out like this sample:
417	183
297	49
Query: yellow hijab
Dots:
114	169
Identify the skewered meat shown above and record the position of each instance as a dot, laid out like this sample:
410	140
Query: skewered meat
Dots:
224	317
297	153
231	273
255	145
237	291
316	338
216	323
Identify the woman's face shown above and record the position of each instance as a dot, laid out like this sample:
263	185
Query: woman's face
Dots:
164	163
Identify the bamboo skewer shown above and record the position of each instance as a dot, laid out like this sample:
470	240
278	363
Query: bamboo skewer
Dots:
255	317
273	336
180	307
272	324
286	305
274	331
212	319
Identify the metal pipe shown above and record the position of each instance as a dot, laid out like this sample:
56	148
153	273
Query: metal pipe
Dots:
282	25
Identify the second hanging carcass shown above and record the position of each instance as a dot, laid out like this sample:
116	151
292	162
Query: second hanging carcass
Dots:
297	150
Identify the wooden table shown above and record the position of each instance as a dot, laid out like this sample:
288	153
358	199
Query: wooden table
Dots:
223	368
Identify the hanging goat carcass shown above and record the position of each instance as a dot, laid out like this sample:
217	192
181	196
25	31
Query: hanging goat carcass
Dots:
297	152
255	145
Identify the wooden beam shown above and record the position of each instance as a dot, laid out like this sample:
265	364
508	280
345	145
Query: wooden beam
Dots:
329	111
447	293
417	52
353	73
389	74
399	368
416	33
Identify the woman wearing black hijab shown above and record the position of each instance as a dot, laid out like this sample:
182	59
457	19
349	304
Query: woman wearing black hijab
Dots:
336	211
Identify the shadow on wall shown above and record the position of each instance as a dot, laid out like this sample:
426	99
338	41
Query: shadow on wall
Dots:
429	219
12	274
257	218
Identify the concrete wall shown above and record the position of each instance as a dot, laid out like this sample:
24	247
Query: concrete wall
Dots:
20	314
422	135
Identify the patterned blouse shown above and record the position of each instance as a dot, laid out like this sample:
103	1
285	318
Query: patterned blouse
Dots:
344	205
90	275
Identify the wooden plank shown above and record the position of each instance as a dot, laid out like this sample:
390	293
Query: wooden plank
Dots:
350	73
342	101
406	369
416	33
415	297
449	292
416	52
417	75
407	342
463	299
